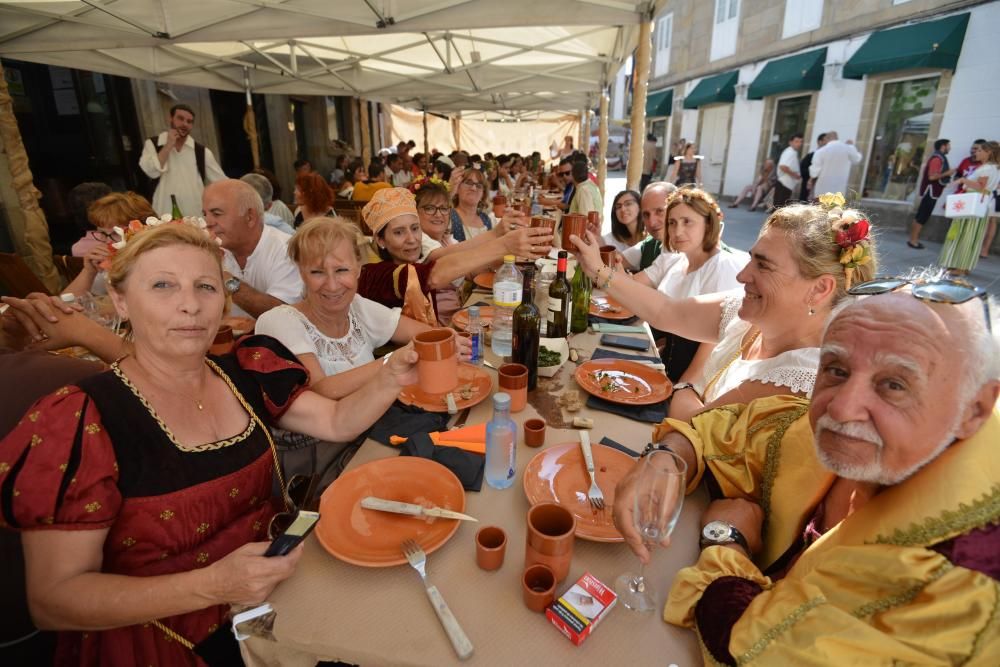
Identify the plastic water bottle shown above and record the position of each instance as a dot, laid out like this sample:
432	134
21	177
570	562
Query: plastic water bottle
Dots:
506	297
500	440
475	329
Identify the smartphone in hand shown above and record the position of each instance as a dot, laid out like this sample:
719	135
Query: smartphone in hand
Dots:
301	526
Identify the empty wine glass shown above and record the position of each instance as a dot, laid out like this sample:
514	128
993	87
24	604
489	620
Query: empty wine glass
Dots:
658	501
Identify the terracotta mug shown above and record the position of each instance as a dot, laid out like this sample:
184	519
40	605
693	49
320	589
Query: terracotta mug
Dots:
607	254
551	531
499	206
573	223
223	343
539	587
491	544
594	222
544	221
437	368
513	379
534	432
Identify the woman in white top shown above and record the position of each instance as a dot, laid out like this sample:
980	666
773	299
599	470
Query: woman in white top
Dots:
334	332
694	261
767	339
962	246
626	228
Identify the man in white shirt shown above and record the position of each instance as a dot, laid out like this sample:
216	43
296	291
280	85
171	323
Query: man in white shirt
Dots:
831	165
179	164
258	273
266	192
788	171
399	177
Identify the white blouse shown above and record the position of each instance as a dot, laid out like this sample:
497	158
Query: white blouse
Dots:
370	326
795	369
669	273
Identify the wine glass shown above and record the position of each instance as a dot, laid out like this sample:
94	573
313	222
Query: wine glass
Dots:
658	501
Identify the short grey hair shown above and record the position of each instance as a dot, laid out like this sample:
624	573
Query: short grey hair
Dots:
262	186
667	187
247	199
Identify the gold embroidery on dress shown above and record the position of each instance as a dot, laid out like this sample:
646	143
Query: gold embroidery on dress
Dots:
202	557
233	492
166	515
128	541
35	439
772	457
62	391
92	429
903	597
4	467
991	628
92	507
788	621
33	416
49	520
202	528
983	511
63	467
210	446
722	457
257	525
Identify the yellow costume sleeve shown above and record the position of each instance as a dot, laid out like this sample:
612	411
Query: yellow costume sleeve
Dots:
744	447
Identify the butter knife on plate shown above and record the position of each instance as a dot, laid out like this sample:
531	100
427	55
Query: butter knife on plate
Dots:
396	507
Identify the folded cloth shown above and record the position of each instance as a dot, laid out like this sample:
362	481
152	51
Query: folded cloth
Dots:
596	319
468	467
620	447
654	413
600	327
471	438
406	420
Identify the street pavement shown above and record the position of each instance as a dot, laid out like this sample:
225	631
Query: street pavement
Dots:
895	257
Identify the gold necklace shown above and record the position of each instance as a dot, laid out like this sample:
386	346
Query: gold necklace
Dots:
197	401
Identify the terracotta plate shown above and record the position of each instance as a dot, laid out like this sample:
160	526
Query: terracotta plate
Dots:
558	474
634	384
484	280
477	379
609	309
371	538
240	325
460	320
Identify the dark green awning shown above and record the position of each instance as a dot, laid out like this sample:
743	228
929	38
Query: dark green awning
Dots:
935	44
718	88
803	71
660	103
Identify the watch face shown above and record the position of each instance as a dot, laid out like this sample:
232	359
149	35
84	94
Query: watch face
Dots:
717	531
232	284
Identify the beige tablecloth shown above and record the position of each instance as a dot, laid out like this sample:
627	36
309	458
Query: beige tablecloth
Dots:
331	610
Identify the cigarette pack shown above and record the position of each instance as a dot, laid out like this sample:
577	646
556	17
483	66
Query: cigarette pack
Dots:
578	611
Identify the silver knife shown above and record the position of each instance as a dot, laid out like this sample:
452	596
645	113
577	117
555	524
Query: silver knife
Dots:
463	417
396	507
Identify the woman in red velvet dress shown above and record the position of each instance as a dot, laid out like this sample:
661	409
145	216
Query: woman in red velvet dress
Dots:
144	492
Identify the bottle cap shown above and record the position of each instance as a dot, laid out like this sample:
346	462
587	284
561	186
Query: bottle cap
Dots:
563	254
509	259
501	401
473	312
68	297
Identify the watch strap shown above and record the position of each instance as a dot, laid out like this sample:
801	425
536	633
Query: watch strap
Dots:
734	536
650	448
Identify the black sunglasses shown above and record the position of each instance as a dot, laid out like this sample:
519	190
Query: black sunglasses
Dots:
946	290
298	495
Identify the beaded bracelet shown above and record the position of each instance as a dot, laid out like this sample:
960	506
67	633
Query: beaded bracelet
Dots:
611	274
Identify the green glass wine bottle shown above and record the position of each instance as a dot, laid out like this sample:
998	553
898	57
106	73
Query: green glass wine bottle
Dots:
560	301
527	324
175	210
581	300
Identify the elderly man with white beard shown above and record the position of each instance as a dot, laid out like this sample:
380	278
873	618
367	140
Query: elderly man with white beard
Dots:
863	527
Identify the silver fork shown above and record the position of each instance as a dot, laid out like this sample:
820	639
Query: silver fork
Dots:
594	493
459	641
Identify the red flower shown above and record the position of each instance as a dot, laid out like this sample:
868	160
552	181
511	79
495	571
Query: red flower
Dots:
852	234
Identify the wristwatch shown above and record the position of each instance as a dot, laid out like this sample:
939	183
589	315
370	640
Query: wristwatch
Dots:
720	532
650	448
684	385
232	285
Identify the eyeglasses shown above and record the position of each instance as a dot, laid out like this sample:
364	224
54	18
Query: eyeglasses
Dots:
298	494
947	290
101	235
564	174
431	210
622	204
475	185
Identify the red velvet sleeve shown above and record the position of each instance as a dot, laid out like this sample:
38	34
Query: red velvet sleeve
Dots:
378	282
58	467
721	605
275	370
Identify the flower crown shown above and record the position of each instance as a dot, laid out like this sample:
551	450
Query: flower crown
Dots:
134	227
695	193
851	234
419	183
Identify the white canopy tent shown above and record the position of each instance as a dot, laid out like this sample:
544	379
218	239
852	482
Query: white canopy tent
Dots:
511	59
446	56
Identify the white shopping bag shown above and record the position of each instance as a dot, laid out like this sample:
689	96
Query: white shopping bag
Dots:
967	205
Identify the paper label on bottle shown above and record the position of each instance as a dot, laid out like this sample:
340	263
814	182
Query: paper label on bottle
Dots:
555	305
507	295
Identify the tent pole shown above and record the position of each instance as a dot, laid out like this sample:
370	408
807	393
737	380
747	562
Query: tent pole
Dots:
638	130
27	225
426	148
366	135
250	122
602	144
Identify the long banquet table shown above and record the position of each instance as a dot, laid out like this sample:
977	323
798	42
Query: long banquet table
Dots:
332	610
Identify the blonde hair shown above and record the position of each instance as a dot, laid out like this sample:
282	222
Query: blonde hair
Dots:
704	205
809	228
152	238
317	237
118	208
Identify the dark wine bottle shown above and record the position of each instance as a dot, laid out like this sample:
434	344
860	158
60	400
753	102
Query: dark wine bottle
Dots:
527	324
560	301
581	300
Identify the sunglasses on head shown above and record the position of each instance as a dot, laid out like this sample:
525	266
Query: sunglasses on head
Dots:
945	290
298	495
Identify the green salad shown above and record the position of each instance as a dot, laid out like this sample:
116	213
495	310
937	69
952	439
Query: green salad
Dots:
547	357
